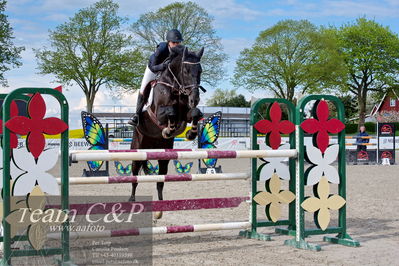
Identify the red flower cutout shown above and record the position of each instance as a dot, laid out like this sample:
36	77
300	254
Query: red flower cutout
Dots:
35	126
275	126
322	126
13	137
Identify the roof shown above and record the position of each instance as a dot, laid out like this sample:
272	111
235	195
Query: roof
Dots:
376	108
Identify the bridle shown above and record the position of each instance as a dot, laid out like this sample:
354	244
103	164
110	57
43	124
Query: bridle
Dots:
182	89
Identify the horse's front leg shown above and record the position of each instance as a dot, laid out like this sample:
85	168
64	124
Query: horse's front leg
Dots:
168	132
195	115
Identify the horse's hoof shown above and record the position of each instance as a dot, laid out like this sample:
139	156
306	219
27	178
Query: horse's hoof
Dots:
157	215
166	134
132	198
190	135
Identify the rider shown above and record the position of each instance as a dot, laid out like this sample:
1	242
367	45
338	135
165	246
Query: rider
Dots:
158	62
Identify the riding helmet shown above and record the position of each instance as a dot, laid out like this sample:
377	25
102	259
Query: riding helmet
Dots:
174	36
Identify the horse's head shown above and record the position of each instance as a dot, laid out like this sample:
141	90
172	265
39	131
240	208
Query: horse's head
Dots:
187	68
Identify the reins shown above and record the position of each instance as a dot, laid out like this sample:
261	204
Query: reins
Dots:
182	89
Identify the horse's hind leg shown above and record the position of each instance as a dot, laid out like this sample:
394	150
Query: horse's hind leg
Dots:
135	171
163	170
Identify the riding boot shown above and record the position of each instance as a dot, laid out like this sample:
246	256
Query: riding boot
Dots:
134	121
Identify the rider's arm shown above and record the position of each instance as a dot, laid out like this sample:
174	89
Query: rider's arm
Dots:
154	58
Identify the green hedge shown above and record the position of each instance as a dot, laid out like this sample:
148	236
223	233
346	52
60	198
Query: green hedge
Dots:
371	128
351	128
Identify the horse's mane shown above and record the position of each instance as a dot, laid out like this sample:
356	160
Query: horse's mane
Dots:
177	54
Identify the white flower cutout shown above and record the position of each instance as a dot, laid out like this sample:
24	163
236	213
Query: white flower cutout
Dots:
35	172
322	165
276	165
14	170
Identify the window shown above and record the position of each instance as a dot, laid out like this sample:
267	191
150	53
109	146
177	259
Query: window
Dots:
392	103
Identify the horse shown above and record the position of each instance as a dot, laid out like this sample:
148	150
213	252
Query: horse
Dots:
174	104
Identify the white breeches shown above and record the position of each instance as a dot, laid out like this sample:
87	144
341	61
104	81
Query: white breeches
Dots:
148	77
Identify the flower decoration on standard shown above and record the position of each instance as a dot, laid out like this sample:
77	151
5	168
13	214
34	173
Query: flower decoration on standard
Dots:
36	125
273	197
14	171
34	217
13	137
16	202
273	165
322	203
35	171
321	125
275	126
321	165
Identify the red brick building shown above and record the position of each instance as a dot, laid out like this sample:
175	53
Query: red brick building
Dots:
388	108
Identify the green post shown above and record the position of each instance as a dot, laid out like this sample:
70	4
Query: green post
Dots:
6	260
255	117
301	232
64	250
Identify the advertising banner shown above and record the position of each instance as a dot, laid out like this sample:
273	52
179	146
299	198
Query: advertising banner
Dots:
386	142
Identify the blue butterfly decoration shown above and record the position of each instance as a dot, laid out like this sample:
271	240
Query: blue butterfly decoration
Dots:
208	136
151	169
95	135
182	169
123	171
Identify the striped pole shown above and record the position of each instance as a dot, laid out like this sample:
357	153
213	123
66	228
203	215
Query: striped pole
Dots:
130	139
177	155
155	230
154	178
153	206
361	144
360	137
131	150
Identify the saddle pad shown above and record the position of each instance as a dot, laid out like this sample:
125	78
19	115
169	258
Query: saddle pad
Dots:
149	102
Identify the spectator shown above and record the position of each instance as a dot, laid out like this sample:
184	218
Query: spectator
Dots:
360	140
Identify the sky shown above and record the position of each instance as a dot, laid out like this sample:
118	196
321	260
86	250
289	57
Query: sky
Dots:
237	23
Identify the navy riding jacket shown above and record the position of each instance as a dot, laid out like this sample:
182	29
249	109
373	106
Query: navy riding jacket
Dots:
155	63
361	140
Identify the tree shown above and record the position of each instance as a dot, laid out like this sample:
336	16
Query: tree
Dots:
350	105
371	56
9	54
227	98
349	102
289	58
92	50
196	27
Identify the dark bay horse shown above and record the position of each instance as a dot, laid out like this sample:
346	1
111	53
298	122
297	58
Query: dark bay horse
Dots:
175	97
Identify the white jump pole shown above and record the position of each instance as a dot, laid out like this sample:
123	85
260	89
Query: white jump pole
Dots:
155	178
154	230
176	155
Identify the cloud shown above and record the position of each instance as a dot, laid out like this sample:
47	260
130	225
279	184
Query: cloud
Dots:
393	2
229	9
356	8
219	8
60	18
234	46
35	7
238	22
56	9
343	8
